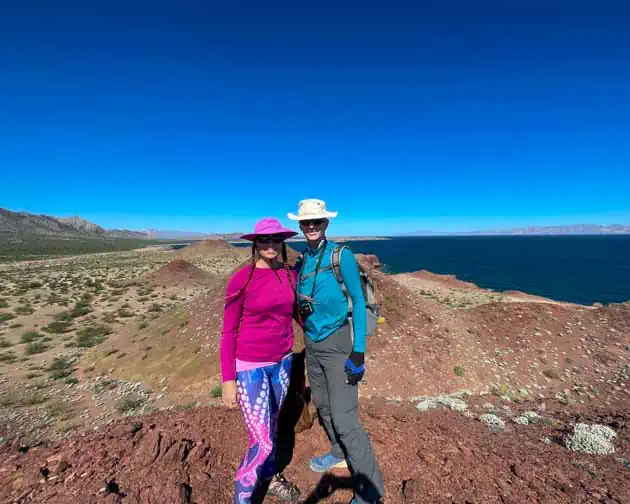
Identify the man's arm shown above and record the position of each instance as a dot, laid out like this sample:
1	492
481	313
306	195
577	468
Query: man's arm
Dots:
350	273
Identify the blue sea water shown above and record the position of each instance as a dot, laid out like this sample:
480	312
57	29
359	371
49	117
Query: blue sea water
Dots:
580	269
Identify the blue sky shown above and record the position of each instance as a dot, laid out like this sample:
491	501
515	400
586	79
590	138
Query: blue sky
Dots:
403	116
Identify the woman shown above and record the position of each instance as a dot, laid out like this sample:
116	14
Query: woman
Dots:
256	355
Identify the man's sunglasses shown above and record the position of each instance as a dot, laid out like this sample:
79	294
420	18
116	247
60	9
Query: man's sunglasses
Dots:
314	222
266	240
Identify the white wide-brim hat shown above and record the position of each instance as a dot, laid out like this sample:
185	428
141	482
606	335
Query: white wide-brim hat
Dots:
312	209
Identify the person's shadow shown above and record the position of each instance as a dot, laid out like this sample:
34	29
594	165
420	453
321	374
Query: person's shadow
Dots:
328	485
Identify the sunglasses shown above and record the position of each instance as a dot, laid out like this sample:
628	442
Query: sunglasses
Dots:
314	222
266	240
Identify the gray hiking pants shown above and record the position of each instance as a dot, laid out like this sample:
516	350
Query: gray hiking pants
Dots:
338	409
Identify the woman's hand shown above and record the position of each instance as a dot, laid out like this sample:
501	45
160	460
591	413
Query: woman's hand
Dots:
229	393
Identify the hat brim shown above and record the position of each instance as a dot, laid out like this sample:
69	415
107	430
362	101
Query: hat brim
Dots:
285	234
321	215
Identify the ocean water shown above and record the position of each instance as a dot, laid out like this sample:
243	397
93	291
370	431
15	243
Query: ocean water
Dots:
580	269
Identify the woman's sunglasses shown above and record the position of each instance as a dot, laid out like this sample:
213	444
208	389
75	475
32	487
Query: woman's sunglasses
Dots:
266	240
309	222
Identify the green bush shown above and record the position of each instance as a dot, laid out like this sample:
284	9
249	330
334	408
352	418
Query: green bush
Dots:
124	313
4	303
63	316
6	316
8	357
216	391
129	403
61	367
16	398
29	336
81	307
24	310
91	336
35	347
58	327
458	370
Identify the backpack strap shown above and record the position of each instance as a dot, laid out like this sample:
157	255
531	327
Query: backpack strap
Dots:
336	267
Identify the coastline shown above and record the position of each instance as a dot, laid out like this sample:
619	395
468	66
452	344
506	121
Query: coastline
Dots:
339	239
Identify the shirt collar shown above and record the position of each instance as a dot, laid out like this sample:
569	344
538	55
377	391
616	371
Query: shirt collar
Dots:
315	251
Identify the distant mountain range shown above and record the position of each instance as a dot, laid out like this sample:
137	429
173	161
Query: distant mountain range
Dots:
575	229
17	226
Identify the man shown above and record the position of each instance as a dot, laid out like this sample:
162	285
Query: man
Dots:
335	351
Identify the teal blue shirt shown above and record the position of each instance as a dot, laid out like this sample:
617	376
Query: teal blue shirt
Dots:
330	307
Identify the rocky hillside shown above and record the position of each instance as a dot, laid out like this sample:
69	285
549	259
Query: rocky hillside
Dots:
16	226
470	395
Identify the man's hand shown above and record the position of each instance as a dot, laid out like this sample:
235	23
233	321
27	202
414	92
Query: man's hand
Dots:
355	367
229	394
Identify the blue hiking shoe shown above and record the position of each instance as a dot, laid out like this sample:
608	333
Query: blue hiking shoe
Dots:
327	462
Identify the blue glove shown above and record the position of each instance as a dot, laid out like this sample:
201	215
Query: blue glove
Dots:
355	367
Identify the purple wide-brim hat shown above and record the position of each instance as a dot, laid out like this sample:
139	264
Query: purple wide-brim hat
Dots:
269	226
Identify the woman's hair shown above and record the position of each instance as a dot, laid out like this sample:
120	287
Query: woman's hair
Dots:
253	260
287	268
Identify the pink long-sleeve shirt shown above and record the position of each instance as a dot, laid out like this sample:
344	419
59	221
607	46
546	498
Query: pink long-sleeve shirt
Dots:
257	322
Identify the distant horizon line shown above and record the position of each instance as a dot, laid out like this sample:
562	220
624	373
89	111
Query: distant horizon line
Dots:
612	228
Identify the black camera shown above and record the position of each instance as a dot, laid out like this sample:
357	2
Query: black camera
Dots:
306	308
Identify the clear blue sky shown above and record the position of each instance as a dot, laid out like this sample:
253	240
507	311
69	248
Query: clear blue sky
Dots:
425	115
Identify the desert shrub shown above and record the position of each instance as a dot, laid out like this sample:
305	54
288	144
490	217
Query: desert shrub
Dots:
155	307
58	327
58	409
125	313
35	347
6	316
110	318
91	336
8	357
5	344
13	398
61	367
29	336
63	316
81	307
24	310
216	391
494	423
4	303
594	439
552	374
129	402
459	371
